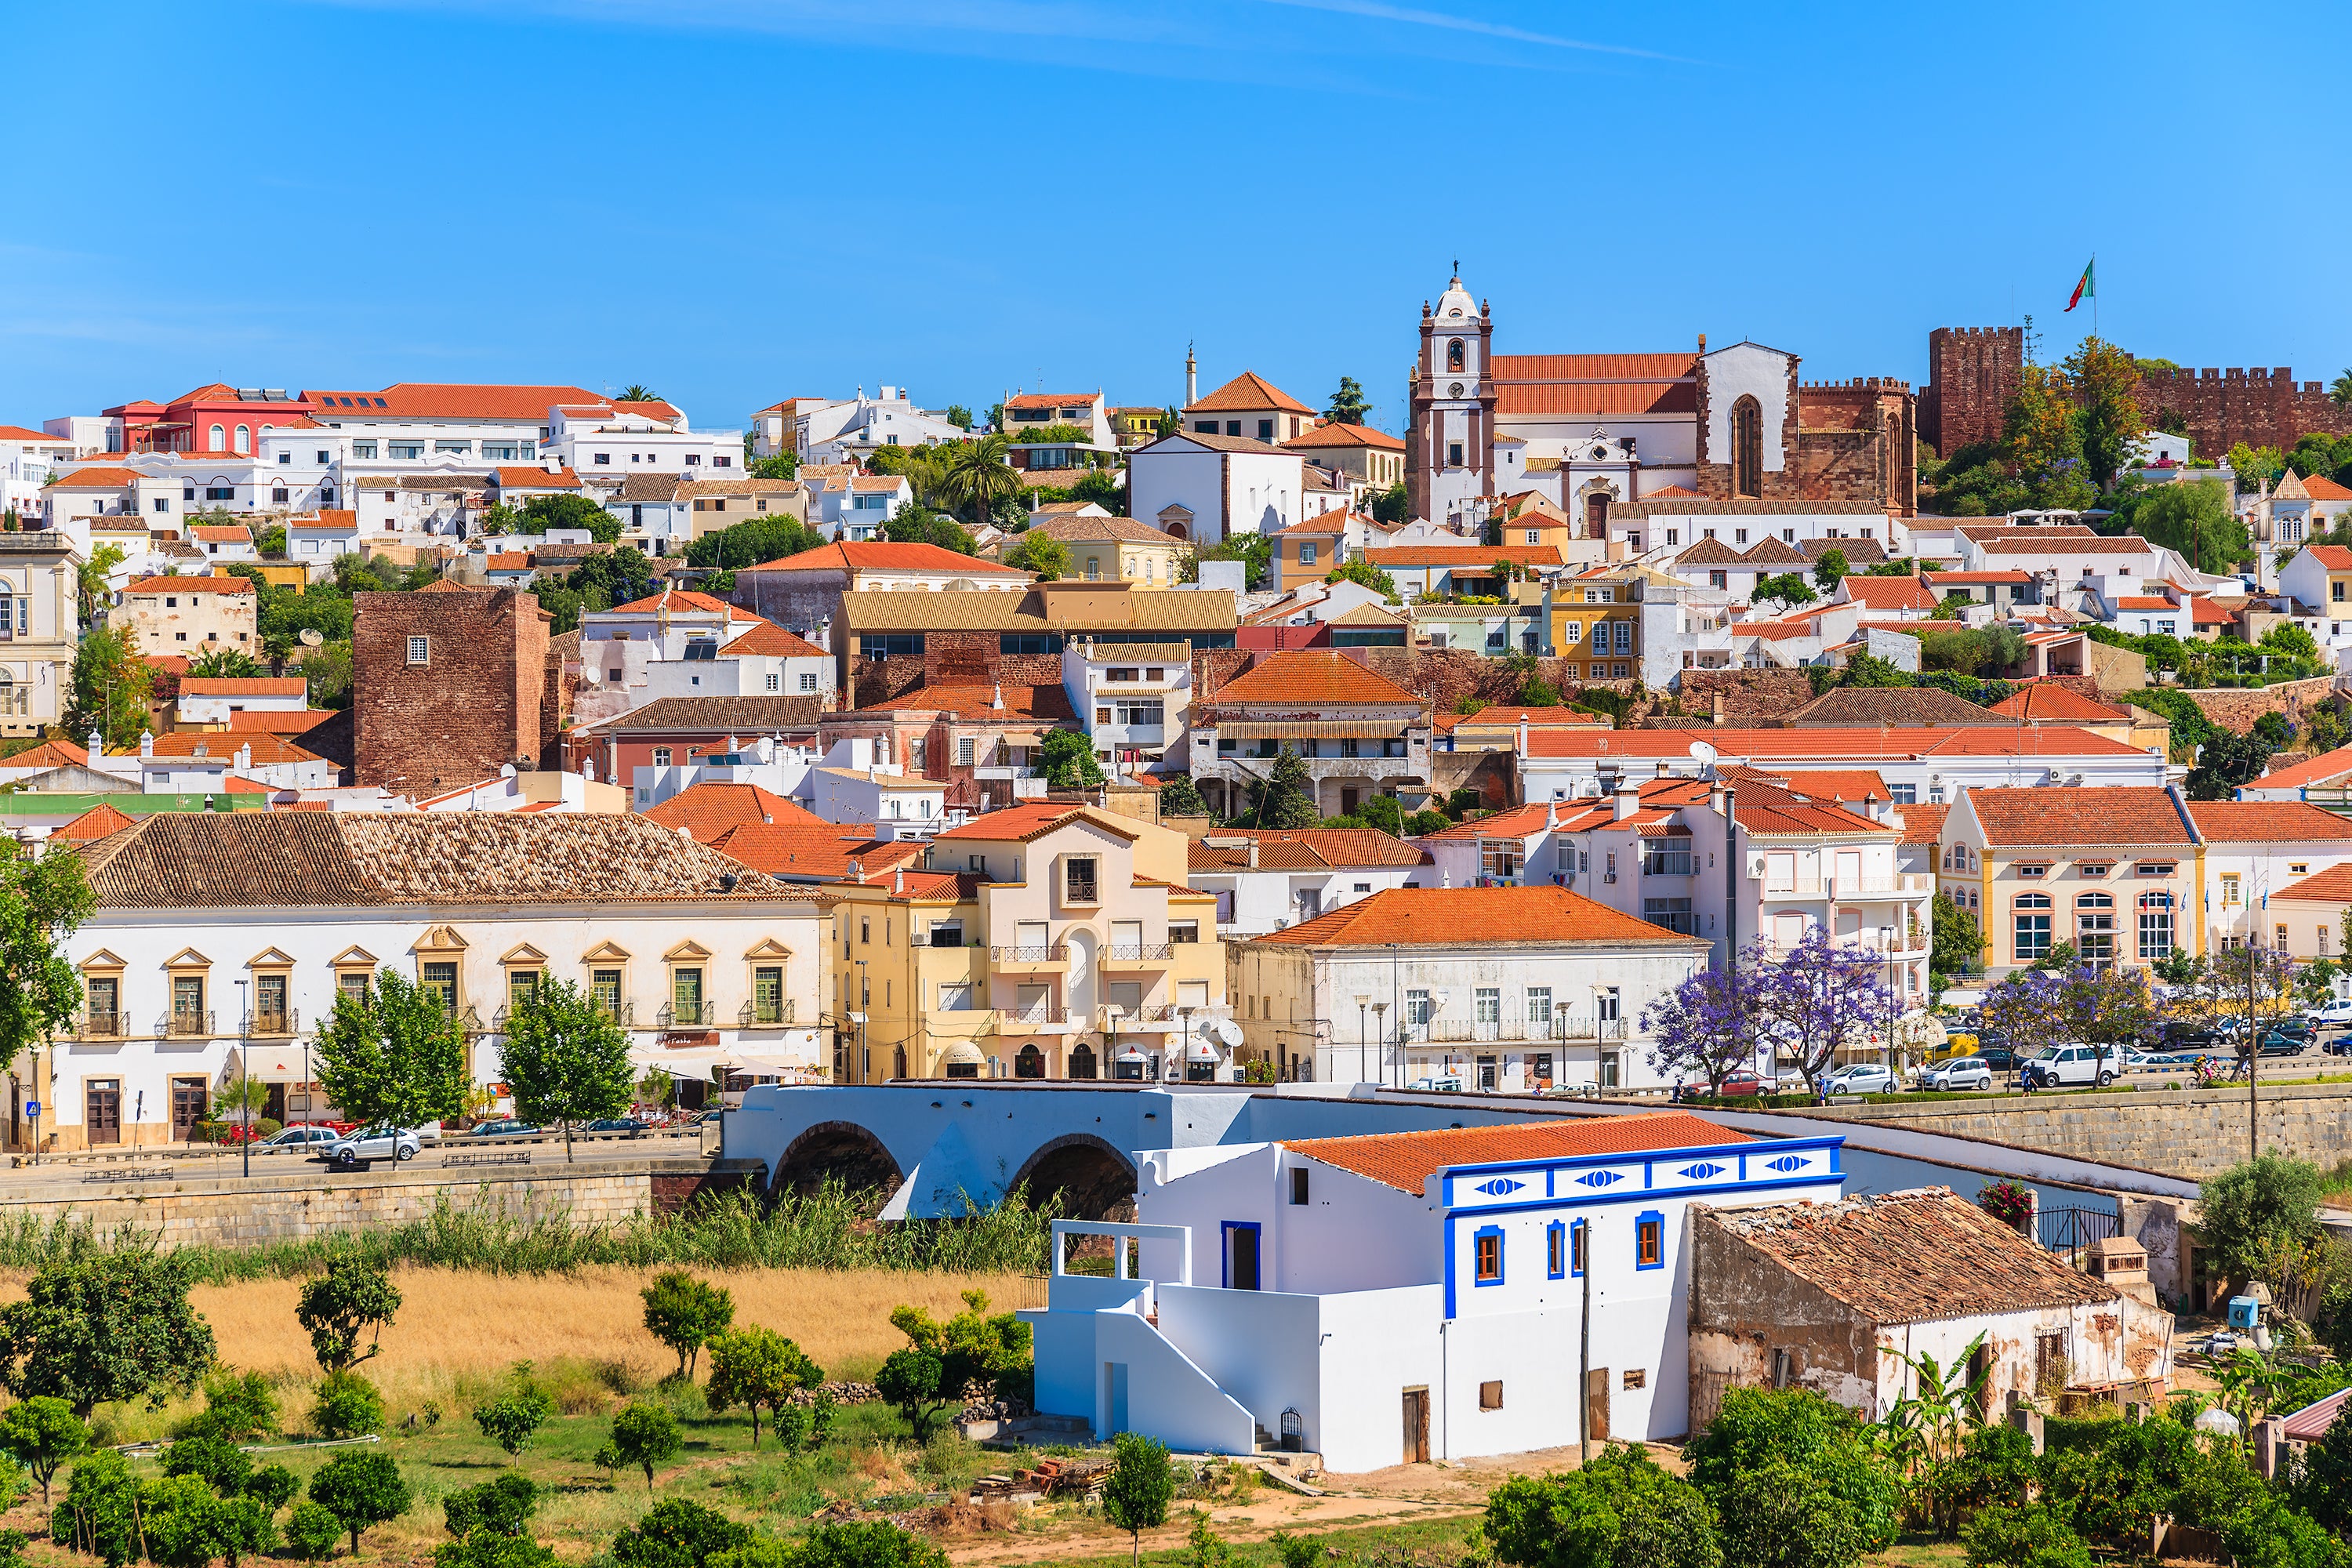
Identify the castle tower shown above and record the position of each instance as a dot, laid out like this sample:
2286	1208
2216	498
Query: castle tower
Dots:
1450	438
1972	373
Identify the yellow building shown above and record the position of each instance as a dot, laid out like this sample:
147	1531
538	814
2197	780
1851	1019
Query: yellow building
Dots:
1133	427
1597	617
1104	548
1042	942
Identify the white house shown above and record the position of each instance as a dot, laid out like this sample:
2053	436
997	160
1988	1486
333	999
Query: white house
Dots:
1204	488
28	460
1267	878
1027	413
2255	849
205	701
1134	698
876	795
220	940
854	507
1408	1297
848	432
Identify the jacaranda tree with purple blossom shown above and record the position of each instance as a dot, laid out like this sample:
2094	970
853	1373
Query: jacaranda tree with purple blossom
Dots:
1702	1027
1819	997
2111	1006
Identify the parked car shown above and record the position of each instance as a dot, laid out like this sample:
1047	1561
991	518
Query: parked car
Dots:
2330	1015
627	1126
2279	1043
381	1141
499	1128
2059	1065
1957	1073
300	1137
1437	1086
2001	1058
1743	1081
1861	1078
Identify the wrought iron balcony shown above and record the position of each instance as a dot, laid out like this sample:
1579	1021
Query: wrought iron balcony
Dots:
690	1015
1138	952
1017	1018
766	1014
1055	954
186	1022
1559	1026
104	1026
623	1012
273	1022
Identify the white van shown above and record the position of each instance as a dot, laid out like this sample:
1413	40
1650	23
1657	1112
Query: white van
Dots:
2071	1065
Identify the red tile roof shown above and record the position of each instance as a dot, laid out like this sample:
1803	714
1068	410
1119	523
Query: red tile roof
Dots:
2305	771
2265	822
1595	384
1834	784
1304	850
1482	916
1463	554
535	479
278	721
48	754
1889	593
1672	493
881	556
769	638
1923	824
2056	816
2142	601
1019	824
1308	679
2333	886
191	586
708	809
1249	390
96	823
18	433
2318	487
1334	434
1406	1161
2335	557
1053	400
1534	718
1854	741
680	601
2043	702
266	747
255	686
447	400
1036	704
221	535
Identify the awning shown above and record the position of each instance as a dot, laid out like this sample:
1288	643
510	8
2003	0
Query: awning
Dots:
1312	730
1024	737
273	1064
963	1053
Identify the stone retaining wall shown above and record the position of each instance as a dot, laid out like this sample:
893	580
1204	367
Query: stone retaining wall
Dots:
2193	1133
230	1211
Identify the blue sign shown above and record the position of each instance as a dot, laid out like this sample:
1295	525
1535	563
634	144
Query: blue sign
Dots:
32	1108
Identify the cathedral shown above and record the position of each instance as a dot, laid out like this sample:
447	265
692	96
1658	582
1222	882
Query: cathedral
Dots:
1730	426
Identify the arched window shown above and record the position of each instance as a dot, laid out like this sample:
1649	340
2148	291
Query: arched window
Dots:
218	436
1454	354
2155	926
2031	912
1030	1063
1747	448
245	437
1082	1061
2094	928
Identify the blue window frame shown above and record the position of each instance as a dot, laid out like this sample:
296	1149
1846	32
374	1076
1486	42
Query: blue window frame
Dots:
1556	1250
1243	1262
1578	1235
1649	1239
1486	1255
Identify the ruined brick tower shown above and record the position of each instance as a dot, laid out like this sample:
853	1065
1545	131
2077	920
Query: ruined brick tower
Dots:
1972	373
450	684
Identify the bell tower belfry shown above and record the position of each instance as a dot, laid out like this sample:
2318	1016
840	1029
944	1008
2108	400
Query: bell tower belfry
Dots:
1450	440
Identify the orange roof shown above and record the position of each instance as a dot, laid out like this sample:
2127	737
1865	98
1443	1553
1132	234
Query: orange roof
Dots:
266	747
1847	741
2264	821
1406	1161
2319	486
770	639
96	823
2206	612
1463	554
535	479
1482	916
191	586
1889	593
2308	770
18	433
1595	384
2043	701
2335	557
813	848
48	754
297	721
2114	817
221	535
1308	678
882	556
449	400
1303	850
1036	704
1052	399
1334	434
1923	824
1672	493
707	810
2333	886
1250	390
1835	783
506	561
96	478
327	517
1534	718
1022	823
680	601
253	686
2142	601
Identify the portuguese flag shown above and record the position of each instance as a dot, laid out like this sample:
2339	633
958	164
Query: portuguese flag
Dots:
2084	285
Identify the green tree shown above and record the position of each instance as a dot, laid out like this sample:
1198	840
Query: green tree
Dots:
510	1419
327	669
979	474
2105	380
92	579
1361	569
1959	944
910	1379
185	1524
485	1549
753	543
684	1313
1867	669
1622	1511
2226	761
1069	761
394	1052
1101	487
1137	1492
219	1463
1393	505
2193	517
914	523
1285	797
676	1533
41	1434
1795	1480
347	1406
224	664
874	1545
2042	440
2257	1210
1039	551
99	1515
757	1368
42	902
102	1326
638	392
1348	405
543	514
644	1436
2256	467
2288	639
1180	796
1786	586
361	1490
500	1506
312	1532
1830	571
2027	1535
271	541
110	687
565	1058
1254	549
356	1295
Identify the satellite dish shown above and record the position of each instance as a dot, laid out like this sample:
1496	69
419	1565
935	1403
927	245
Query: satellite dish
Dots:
1224	1031
1701	752
312	636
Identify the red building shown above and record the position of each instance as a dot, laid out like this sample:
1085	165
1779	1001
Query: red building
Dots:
215	418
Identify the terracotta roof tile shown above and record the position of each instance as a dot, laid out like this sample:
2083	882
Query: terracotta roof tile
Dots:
815	849
1855	742
2333	886
1040	705
1463	554
1890	706
708	809
771	640
96	823
1334	434
255	686
1439	917
48	754
743	717
446	400
2117	817
191	585
1909	1256
1406	1161
266	747
1888	593
2265	822
882	556
1083	529
1304	850
2305	771
1248	390
1306	678
1923	824
2045	702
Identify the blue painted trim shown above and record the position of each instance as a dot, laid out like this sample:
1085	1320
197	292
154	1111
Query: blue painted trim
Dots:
1581	1230
1556	1247
1760	1149
1603	1200
1481	1233
1649	1216
1649	1172
1225	1250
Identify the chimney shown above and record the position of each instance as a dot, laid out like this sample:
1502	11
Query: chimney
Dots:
898	880
1252	851
97	743
1523	737
996	697
146	743
1627	800
245	758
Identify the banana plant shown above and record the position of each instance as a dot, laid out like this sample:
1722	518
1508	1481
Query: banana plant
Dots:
1927	1427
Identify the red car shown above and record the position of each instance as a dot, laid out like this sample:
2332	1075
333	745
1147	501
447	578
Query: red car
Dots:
1743	1081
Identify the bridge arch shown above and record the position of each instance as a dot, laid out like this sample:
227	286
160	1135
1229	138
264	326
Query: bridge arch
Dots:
840	1150
1093	1179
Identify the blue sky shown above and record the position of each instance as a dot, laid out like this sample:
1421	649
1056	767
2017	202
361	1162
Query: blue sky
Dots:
738	200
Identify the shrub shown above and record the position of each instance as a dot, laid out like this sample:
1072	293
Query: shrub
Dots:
1794	1481
678	1535
877	1545
645	1435
684	1313
502	1507
1137	1493
99	1515
1621	1509
186	1524
2033	1536
486	1550
355	1295
757	1367
312	1532
217	1462
360	1491
273	1486
237	1405
42	1434
348	1406
511	1419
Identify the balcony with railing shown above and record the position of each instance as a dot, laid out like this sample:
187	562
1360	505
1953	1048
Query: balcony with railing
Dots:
1026	1020
272	1023
771	1014
101	1026
185	1023
687	1016
1559	1026
1038	956
1135	954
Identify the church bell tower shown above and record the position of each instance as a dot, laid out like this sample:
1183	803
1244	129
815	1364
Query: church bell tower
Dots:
1450	441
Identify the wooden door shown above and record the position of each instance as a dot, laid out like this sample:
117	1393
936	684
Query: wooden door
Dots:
1707	1385
102	1111
1596	1405
187	1107
1416	1426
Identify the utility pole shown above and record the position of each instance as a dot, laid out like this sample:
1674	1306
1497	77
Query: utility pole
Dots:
1579	1239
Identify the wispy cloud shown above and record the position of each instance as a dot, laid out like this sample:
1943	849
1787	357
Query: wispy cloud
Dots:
1379	11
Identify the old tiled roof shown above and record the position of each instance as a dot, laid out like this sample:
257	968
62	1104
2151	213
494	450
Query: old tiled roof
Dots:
1226	444
1910	1257
1770	552
741	716
1595	384
2045	703
266	747
1167	614
1473	555
1052	399
1888	593
324	859
1828	783
1890	706
1303	850
1854	741
255	686
1406	1161
708	809
1857	552
1247	390
56	754
680	602
814	850
96	823
1496	713
2265	821
191	585
1482	916
2057	816
1041	704
1308	679
519	479
442	400
2305	771
880	555
2333	886
1022	823
770	639
1711	552
1336	434
2125	544
1080	530
278	721
1923	824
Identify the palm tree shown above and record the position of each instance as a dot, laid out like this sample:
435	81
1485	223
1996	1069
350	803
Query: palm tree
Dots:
978	475
2340	390
638	392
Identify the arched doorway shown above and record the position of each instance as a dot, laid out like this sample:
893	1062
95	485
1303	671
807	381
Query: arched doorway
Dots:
836	1151
1086	1176
1082	1060
1030	1062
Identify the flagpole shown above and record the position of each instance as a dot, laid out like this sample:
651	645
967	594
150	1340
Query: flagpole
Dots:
2093	270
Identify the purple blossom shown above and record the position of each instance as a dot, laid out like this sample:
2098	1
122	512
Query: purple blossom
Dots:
1699	1030
1819	996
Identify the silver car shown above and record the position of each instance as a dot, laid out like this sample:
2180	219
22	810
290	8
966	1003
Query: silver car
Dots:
1957	1073
381	1141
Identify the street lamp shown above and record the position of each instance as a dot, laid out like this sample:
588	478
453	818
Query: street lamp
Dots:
1381	1011
244	1079
1362	1002
1183	1045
